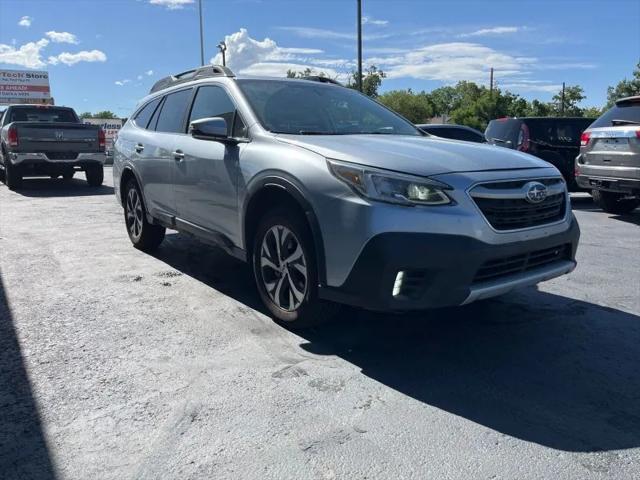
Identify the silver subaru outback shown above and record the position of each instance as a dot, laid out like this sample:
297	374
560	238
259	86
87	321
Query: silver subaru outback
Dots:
334	199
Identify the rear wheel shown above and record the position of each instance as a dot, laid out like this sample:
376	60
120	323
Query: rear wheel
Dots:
285	270
144	235
616	203
95	175
12	176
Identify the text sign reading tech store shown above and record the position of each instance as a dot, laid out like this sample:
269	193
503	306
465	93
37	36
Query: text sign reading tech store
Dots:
24	86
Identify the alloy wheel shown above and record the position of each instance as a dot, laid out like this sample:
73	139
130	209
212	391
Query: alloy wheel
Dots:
283	268
134	213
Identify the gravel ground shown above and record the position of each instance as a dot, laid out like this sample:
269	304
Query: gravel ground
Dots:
115	364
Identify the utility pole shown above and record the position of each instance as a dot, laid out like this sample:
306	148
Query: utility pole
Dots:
562	106
222	46
491	82
201	34
360	45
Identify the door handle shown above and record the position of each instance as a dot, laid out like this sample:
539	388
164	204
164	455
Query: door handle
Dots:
178	155
139	148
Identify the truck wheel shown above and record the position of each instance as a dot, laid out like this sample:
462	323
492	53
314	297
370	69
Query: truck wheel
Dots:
144	235
285	270
95	175
12	176
612	202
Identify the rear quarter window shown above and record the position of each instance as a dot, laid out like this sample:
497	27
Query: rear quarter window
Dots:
144	115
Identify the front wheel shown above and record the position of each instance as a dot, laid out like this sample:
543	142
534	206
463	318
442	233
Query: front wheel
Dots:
616	203
144	235
95	175
285	270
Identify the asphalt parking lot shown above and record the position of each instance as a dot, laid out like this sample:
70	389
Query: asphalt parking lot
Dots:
115	364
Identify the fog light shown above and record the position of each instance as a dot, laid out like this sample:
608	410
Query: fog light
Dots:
397	285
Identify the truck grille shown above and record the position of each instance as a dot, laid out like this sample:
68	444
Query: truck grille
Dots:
61	155
505	207
501	267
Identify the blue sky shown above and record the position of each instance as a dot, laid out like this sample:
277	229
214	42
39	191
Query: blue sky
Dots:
105	54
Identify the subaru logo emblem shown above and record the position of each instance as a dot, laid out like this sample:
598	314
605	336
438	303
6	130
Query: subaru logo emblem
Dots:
535	192
59	135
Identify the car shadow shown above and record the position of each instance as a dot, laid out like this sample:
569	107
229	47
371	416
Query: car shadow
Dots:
23	448
47	187
586	204
532	365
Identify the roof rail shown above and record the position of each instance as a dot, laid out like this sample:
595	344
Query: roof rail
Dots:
322	79
195	74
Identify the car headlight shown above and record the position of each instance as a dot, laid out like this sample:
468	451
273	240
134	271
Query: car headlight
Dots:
390	187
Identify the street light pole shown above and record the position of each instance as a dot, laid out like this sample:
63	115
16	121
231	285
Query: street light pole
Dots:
222	46
360	45
201	34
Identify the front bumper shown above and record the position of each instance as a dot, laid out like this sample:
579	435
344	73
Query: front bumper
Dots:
39	158
442	270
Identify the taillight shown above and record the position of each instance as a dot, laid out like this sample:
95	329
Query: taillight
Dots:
102	141
584	139
638	133
12	136
523	139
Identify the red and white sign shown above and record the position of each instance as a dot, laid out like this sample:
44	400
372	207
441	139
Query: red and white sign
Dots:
111	127
22	86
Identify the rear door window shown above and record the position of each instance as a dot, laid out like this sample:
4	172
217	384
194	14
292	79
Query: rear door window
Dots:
143	116
172	114
629	111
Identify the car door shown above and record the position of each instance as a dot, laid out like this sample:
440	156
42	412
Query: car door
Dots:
169	130
155	176
207	177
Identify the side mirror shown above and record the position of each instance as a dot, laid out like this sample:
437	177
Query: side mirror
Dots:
211	128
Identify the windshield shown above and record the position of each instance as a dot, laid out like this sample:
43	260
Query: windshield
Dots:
627	111
42	114
306	108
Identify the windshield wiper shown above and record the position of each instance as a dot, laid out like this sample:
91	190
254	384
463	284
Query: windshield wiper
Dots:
313	132
624	122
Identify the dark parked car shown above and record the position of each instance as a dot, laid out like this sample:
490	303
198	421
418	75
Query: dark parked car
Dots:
609	160
48	140
554	139
454	132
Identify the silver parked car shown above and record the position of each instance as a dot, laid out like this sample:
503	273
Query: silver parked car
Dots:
333	198
609	160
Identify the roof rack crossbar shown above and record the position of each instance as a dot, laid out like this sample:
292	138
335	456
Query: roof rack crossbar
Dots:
194	74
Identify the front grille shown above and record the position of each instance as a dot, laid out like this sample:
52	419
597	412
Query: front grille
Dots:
505	207
61	155
501	267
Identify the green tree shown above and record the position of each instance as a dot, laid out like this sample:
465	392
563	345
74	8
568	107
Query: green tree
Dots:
371	80
443	100
538	109
307	72
624	88
86	115
102	114
416	107
573	95
592	112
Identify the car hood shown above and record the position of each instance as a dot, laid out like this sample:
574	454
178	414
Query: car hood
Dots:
424	156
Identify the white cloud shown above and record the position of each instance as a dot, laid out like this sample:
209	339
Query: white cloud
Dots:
27	55
451	62
171	4
373	21
326	34
25	21
121	83
491	31
531	86
149	73
139	77
82	56
61	37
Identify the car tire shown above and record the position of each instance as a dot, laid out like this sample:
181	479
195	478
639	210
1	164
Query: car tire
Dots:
143	235
285	270
616	203
95	175
12	176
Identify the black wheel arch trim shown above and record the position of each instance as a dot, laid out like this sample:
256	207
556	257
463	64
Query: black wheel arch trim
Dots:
284	181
